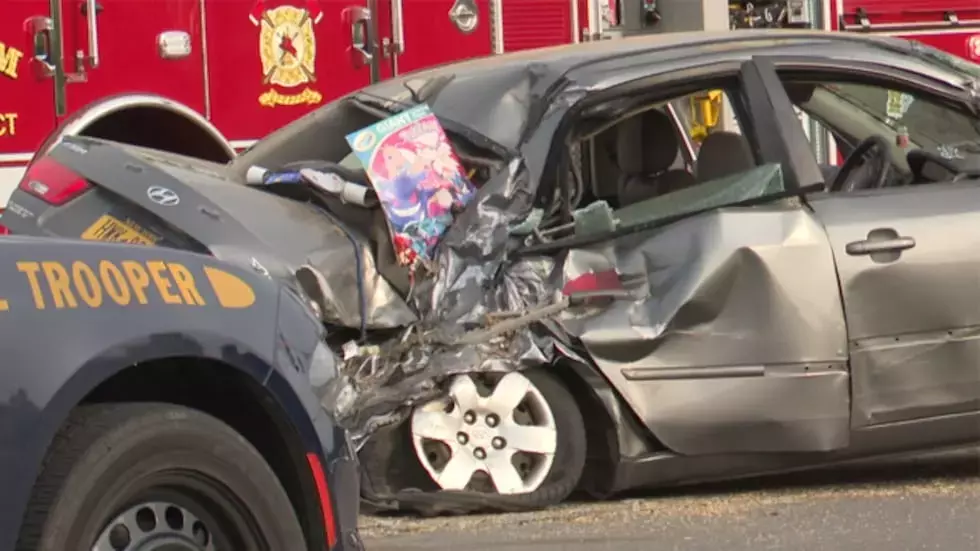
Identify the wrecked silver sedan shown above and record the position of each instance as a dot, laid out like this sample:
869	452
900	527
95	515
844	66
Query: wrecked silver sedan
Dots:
623	303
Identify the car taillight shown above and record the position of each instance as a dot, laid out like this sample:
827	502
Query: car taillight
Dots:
52	182
3	229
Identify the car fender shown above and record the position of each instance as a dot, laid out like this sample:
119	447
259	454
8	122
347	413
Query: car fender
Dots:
71	346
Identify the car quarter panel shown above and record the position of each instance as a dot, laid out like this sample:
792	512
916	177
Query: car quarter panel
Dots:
734	338
913	316
73	313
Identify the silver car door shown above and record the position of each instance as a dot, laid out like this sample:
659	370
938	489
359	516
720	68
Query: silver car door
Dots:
908	260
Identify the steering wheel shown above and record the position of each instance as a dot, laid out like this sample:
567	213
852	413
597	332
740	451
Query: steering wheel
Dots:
918	158
872	144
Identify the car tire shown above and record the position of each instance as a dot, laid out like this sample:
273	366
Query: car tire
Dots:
144	471
386	458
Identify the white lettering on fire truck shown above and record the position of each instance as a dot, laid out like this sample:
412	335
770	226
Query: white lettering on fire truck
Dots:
8	124
287	49
9	60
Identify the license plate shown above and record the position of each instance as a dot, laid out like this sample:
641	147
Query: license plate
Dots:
113	230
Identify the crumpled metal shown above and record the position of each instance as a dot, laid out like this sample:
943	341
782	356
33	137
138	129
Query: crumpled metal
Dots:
474	277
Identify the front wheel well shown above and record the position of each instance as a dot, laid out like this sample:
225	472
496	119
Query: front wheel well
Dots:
226	393
157	128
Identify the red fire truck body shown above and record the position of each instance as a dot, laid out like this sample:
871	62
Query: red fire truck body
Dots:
950	25
211	76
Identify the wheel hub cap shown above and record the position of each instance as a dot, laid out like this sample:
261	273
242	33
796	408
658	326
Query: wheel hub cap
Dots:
507	434
155	526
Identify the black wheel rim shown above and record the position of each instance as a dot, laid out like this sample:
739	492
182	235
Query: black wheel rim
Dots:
179	511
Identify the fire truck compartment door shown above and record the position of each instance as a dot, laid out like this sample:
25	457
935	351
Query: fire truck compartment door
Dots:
119	46
26	86
895	14
416	34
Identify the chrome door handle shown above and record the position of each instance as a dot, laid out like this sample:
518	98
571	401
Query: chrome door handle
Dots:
44	61
91	9
872	246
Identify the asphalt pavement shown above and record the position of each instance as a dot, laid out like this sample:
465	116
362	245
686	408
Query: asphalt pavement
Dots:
910	504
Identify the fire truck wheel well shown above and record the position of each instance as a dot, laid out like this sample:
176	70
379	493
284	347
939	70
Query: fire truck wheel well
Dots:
231	396
158	128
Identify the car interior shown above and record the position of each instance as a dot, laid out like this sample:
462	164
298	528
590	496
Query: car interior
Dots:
918	140
627	158
635	160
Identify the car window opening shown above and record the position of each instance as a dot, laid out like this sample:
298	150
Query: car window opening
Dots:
633	163
924	140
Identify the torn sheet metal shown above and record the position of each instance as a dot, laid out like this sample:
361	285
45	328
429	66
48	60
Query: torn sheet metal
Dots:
472	281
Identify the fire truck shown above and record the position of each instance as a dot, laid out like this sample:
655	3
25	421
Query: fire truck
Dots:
209	77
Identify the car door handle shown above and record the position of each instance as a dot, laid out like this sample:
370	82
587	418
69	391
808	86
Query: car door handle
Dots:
872	246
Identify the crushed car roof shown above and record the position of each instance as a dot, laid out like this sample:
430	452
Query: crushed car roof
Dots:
513	85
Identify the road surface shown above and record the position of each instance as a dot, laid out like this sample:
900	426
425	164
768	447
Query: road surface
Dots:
925	503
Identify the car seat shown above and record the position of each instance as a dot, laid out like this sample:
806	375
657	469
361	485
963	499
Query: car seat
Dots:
647	146
723	154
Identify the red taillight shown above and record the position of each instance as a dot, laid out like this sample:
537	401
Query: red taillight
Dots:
52	182
326	505
593	281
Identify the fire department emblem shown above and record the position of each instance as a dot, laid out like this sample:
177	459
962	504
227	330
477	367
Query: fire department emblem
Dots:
287	49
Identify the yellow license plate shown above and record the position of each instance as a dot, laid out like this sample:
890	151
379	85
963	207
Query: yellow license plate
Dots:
111	229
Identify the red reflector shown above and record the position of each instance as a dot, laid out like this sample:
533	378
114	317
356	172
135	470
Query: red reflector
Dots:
320	478
593	281
52	182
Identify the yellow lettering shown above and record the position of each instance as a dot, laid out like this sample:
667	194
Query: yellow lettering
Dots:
31	269
139	280
114	283
59	283
186	285
9	59
272	98
163	284
230	290
86	284
8	124
125	283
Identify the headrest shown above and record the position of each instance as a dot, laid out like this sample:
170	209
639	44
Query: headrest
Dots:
799	92
723	154
646	144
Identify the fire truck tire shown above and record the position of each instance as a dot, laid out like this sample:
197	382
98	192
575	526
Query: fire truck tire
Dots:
118	476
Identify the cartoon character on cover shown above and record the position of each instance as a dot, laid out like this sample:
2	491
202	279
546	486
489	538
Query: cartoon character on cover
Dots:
445	186
403	176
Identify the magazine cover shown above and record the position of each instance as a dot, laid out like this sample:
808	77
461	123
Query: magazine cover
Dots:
417	176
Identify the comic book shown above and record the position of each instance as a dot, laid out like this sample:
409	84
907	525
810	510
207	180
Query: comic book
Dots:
417	176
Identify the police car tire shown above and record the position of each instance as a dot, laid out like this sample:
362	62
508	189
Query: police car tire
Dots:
96	463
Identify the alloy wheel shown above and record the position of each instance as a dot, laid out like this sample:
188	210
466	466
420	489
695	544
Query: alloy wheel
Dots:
491	433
